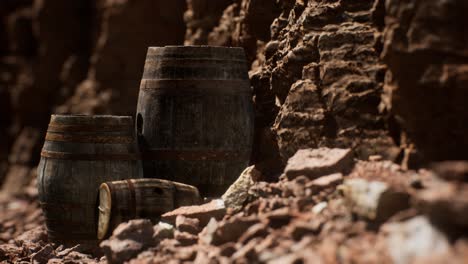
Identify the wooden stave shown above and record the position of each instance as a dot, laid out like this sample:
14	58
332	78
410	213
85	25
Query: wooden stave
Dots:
155	88
58	194
124	207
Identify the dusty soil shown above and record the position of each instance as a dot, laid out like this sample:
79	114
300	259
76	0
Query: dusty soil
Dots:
383	78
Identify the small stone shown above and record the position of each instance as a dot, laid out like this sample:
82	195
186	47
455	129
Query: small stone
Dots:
203	213
314	163
43	255
299	229
186	253
32	236
78	256
326	181
138	230
189	225
257	230
247	252
233	229
375	158
287	259
65	252
201	258
127	240
413	238
227	231
452	170
207	235
163	231
374	200
446	204
318	208
185	239
119	251
279	217
238	192
227	249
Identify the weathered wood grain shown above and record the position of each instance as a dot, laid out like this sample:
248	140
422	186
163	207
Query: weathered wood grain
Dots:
195	116
80	153
120	201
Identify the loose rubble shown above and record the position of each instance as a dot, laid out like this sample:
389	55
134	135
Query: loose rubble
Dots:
127	240
203	213
371	212
313	220
380	84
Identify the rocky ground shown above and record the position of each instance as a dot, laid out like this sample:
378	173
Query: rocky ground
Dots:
326	207
385	78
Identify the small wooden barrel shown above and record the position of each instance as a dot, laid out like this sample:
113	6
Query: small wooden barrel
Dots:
81	152
195	116
120	201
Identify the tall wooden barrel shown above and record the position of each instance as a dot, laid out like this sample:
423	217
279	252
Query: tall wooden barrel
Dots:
195	116
81	152
120	201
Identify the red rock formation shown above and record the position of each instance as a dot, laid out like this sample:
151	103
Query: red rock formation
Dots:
426	50
82	57
201	17
127	29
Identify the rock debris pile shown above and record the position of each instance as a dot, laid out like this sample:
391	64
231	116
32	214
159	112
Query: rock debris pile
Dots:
327	208
352	100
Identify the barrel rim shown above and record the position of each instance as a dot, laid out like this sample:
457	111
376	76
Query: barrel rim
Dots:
226	53
90	119
206	47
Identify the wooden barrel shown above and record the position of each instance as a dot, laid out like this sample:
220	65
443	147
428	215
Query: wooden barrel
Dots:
81	152
120	201
195	116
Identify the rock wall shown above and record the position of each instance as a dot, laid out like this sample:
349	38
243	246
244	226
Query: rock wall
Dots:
72	57
426	50
127	29
316	74
384	77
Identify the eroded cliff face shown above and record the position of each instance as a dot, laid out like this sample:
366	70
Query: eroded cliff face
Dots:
426	50
81	57
383	77
377	77
127	29
316	74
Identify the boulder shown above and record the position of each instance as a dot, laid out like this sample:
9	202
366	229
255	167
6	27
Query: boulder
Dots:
238	192
314	163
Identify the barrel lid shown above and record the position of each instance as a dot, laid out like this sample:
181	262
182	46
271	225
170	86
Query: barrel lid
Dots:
105	207
198	52
72	119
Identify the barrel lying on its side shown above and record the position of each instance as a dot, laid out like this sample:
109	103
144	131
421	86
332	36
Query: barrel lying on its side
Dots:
195	116
79	153
120	201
